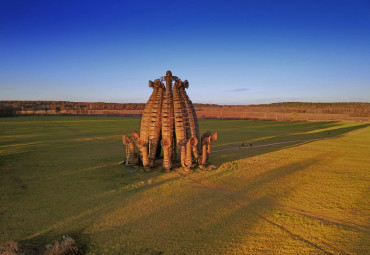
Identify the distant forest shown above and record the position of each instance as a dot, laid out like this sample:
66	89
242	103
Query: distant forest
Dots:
13	108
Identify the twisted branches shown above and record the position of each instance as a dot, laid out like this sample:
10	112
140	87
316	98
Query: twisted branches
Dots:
169	120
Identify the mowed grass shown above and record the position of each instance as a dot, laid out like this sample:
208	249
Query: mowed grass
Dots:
60	175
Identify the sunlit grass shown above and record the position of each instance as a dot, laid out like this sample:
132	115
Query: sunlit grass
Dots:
60	175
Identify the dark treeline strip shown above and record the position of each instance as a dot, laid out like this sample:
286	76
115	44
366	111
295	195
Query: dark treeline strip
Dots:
10	108
7	111
66	105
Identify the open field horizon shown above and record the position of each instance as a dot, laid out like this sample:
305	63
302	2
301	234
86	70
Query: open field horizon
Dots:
301	188
283	87
286	111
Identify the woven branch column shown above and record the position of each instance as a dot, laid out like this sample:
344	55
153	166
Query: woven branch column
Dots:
155	124
180	122
143	140
192	143
130	149
192	117
146	118
169	122
206	141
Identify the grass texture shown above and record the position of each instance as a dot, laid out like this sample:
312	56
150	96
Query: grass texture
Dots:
60	176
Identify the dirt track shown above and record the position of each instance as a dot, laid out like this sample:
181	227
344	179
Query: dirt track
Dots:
271	144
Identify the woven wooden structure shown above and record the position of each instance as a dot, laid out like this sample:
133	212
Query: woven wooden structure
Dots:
169	121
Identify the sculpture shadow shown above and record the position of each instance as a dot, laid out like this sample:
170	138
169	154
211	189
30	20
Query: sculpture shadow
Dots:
279	142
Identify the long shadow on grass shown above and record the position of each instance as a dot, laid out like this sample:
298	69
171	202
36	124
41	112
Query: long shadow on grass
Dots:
117	198
246	131
204	219
211	220
239	152
255	209
74	225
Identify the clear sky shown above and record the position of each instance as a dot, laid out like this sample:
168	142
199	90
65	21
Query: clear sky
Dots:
232	52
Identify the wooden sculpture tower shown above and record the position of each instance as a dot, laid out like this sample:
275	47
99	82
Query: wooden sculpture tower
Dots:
169	122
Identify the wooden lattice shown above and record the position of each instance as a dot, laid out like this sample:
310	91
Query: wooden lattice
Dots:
169	119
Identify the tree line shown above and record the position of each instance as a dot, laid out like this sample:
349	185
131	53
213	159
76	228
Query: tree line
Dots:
12	108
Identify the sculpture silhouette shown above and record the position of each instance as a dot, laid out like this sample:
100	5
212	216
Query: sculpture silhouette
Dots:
169	120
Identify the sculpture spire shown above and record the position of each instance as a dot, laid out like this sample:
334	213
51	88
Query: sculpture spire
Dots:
169	119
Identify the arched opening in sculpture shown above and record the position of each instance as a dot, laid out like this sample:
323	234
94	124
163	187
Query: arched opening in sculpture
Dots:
170	123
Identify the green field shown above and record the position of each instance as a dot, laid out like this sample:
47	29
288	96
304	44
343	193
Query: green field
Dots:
60	175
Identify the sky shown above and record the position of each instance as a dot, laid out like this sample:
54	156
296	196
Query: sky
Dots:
231	52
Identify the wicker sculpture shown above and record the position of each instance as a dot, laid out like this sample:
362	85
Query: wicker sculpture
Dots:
169	120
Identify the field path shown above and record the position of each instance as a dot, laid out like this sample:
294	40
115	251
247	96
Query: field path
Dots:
240	199
272	144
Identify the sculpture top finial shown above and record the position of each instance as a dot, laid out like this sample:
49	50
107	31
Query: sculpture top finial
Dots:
157	83
168	78
151	84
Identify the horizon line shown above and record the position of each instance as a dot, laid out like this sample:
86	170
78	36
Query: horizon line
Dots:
279	102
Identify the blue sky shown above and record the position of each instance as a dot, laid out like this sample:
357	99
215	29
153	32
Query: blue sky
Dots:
232	52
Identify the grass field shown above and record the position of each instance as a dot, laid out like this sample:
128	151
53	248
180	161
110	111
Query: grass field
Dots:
60	175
